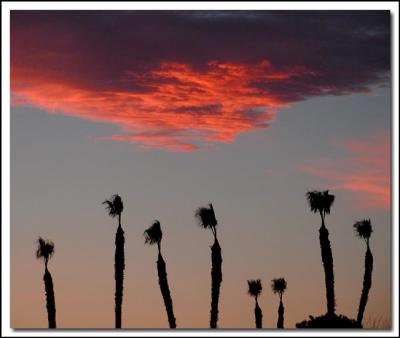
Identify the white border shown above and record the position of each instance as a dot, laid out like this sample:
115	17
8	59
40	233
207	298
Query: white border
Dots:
393	6
202	5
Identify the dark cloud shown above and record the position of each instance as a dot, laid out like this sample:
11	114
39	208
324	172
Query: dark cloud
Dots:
344	47
307	53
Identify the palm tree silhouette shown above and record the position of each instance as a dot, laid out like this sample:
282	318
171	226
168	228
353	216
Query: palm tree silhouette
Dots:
279	286
254	290
206	219
321	201
115	207
363	230
45	250
153	235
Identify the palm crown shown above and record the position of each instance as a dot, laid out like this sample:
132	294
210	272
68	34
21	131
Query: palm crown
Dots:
114	206
255	287
206	217
153	234
320	201
363	228
278	286
45	249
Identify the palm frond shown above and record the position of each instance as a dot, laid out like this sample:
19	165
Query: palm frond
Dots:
278	285
153	234
114	205
320	201
314	200
118	204
40	249
45	248
206	216
255	287
327	201
363	228
110	208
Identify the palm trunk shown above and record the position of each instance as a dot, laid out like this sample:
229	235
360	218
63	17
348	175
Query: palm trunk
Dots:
163	281
258	315
119	274
216	279
50	300
327	261
281	311
366	285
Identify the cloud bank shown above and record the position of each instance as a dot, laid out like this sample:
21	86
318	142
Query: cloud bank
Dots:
178	80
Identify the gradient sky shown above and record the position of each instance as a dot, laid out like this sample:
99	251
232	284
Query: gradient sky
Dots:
175	109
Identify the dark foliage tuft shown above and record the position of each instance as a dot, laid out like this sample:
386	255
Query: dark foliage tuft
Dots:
320	201
206	217
254	287
363	228
329	321
45	249
278	285
114	205
153	234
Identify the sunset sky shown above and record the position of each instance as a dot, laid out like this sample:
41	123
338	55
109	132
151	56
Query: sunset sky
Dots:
174	109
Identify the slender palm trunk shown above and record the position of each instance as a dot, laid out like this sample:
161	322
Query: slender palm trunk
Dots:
50	300
258	315
327	261
366	284
119	273
281	311
163	281
216	279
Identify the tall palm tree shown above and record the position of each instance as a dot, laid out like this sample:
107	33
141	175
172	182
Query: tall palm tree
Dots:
115	207
45	250
321	202
254	290
153	235
206	219
363	230
279	286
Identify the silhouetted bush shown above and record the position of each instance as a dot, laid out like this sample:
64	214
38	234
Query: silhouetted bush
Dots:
329	321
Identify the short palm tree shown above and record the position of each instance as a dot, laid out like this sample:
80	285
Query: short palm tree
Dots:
279	286
206	219
153	235
321	202
45	250
363	230
115	207
254	290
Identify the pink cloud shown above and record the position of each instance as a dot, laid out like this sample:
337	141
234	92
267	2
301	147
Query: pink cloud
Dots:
363	170
176	107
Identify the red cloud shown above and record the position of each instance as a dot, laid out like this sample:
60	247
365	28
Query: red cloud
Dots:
175	107
364	170
151	72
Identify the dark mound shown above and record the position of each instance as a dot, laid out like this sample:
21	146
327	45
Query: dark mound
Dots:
328	321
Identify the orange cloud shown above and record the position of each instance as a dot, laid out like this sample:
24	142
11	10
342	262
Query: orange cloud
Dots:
174	106
179	80
364	170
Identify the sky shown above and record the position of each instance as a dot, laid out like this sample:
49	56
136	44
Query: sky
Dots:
175	109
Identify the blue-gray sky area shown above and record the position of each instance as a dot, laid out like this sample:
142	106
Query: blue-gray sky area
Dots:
248	111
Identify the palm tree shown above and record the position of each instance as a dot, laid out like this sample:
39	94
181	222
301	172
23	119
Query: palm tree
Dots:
206	219
254	290
363	230
153	235
115	207
321	201
279	286
45	250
